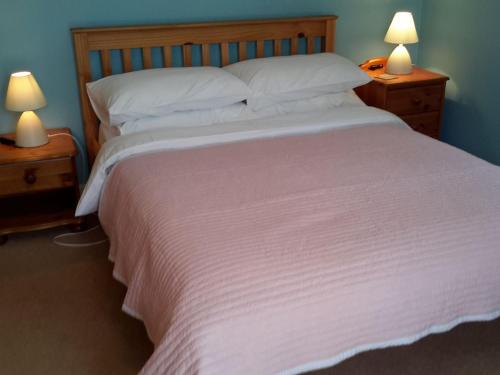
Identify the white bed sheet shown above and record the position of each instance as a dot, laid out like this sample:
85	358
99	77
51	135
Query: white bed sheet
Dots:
107	132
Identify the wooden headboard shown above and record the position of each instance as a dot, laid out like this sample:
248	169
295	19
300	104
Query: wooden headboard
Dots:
214	43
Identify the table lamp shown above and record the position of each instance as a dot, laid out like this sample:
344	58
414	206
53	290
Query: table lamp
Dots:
401	31
24	95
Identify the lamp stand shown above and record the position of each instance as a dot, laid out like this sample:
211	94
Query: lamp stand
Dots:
30	131
399	61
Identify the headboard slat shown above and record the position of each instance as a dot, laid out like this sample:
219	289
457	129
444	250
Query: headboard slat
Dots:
147	61
260	48
294	45
205	54
146	38
167	56
310	45
242	50
106	62
127	60
186	54
277	47
224	53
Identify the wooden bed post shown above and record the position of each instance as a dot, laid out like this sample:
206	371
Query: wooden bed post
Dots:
90	122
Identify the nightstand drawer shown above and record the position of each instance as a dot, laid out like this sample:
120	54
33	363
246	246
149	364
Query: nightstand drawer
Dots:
426	123
415	100
35	176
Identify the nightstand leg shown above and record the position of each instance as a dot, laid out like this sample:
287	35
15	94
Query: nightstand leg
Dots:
3	239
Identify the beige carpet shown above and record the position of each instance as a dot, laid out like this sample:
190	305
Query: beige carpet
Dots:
60	313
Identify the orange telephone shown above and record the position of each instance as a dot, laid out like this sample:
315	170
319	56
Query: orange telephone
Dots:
374	64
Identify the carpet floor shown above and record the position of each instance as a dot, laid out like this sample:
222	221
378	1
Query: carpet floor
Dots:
60	313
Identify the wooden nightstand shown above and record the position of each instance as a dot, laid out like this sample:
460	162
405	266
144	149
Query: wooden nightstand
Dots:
38	186
417	98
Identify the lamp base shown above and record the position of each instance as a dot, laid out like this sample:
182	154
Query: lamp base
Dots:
399	61
30	131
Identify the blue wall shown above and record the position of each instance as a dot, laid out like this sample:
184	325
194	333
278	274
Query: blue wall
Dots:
35	35
457	40
461	39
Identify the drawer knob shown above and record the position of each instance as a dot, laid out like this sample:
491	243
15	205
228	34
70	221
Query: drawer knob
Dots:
417	101
30	177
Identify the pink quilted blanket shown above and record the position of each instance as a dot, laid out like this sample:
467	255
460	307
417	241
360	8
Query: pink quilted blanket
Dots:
294	253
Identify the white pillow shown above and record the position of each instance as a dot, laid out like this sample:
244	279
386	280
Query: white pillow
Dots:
157	92
284	78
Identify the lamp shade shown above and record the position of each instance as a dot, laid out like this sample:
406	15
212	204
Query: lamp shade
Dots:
402	29
23	93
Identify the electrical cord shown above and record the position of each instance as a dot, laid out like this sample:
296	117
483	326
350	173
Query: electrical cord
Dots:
78	145
59	240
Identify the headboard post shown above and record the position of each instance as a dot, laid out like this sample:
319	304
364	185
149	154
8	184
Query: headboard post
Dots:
187	37
330	35
90	122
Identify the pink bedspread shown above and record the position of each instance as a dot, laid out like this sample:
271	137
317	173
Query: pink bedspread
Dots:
288	254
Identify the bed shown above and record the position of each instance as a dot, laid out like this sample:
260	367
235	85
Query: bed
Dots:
289	243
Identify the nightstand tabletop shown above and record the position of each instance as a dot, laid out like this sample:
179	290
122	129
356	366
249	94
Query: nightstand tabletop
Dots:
58	147
418	76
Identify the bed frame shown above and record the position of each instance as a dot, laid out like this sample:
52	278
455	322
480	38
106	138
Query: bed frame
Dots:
218	43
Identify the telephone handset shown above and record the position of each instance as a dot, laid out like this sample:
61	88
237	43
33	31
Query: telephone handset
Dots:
374	64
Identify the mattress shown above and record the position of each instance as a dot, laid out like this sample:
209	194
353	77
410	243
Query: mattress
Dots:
290	244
